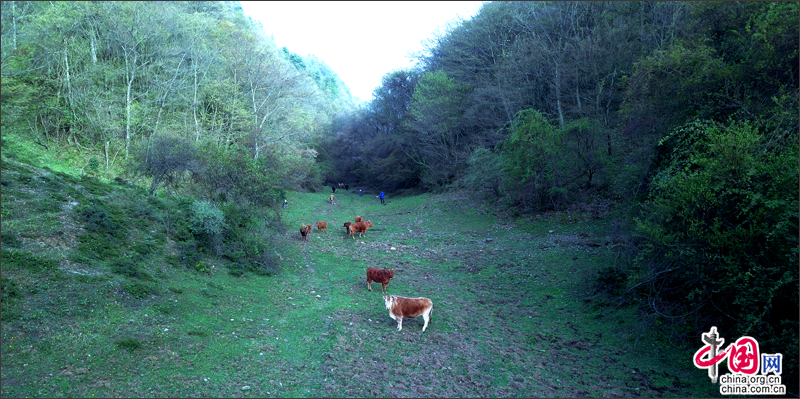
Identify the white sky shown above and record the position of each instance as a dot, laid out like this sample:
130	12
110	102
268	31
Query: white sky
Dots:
360	40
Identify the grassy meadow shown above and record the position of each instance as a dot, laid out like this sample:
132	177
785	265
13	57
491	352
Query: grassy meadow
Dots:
516	310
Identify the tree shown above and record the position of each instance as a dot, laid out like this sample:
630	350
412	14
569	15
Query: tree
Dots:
165	160
436	140
530	161
721	224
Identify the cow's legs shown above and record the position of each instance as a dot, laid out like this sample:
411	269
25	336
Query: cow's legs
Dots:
427	317
399	323
369	285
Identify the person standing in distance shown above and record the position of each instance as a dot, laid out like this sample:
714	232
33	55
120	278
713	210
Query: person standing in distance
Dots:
361	191
382	202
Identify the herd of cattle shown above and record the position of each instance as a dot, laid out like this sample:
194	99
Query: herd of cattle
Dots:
398	306
360	227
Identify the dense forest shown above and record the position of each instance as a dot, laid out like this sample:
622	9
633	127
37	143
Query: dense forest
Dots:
681	117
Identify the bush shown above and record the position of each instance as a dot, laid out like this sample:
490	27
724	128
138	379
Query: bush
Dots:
531	154
721	224
26	260
189	253
8	288
139	290
99	218
207	222
129	268
165	159
10	240
129	344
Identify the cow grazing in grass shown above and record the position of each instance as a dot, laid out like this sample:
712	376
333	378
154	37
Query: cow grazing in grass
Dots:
347	227
379	276
400	307
306	230
359	227
331	198
359	218
322	226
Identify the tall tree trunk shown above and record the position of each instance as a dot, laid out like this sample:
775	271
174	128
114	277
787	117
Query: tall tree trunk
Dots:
66	73
93	45
14	23
195	103
608	108
558	96
131	69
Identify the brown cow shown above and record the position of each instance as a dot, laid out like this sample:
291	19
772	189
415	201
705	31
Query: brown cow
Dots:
400	307
306	230
347	227
331	198
359	227
379	276
359	218
322	226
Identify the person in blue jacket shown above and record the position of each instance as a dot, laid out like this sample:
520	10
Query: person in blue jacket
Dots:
382	198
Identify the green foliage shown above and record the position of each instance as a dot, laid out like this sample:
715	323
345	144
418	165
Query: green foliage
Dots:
485	172
8	289
164	160
130	268
721	225
27	260
530	160
139	289
238	178
202	267
129	344
207	222
101	218
435	137
10	240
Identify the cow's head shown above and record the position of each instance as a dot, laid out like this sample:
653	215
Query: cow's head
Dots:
391	273
389	301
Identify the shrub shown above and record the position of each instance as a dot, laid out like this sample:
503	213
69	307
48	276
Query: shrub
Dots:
165	159
27	260
189	253
10	240
8	288
207	222
531	154
176	290
129	344
721	224
99	218
129	268
139	290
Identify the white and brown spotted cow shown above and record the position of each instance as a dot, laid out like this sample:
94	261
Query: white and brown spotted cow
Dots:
400	307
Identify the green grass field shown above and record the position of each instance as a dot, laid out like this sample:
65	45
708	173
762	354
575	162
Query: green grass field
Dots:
515	312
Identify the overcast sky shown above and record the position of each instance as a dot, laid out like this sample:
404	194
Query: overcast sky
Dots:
360	41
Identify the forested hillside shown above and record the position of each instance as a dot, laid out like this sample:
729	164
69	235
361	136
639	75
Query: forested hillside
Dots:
682	116
677	120
109	78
